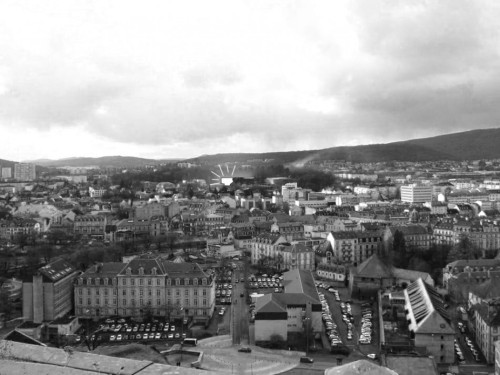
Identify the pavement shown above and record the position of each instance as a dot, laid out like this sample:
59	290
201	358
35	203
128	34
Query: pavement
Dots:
221	356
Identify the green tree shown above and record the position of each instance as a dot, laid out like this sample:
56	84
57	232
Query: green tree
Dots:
399	250
464	249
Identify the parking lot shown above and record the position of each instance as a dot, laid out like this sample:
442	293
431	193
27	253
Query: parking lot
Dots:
125	330
356	322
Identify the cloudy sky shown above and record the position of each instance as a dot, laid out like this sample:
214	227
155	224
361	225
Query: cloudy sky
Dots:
177	79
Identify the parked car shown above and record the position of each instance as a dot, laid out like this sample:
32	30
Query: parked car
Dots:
245	349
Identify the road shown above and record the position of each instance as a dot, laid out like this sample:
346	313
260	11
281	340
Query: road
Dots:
239	311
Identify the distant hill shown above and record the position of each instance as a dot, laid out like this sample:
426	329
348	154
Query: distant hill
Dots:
103	162
469	145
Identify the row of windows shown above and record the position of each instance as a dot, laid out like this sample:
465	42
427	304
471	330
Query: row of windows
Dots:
141	302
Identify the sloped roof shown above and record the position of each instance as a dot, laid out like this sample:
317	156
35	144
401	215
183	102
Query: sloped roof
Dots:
491	317
109	269
300	281
428	314
374	267
489	289
268	303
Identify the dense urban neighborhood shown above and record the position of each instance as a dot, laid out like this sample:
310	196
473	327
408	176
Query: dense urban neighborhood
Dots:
252	267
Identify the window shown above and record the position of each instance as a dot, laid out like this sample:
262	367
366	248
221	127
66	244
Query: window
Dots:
158	292
177	282
97	301
132	281
150	282
195	281
132	292
80	291
141	282
124	302
168	292
106	291
105	301
204	281
195	301
186	292
89	302
124	292
124	281
115	292
141	271
195	292
204	292
158	302
158	282
186	302
141	292
80	301
150	292
97	291
141	301
177	292
204	301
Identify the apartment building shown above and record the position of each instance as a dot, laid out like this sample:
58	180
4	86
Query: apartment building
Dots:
24	172
90	225
416	236
265	245
486	327
353	247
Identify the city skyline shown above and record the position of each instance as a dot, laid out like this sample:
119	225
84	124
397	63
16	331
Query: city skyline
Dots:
182	79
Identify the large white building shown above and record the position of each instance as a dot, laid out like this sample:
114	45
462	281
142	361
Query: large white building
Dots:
416	193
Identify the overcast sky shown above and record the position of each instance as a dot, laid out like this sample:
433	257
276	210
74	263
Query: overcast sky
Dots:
177	79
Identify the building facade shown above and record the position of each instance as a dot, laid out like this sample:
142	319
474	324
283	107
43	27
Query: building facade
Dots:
50	294
416	193
146	286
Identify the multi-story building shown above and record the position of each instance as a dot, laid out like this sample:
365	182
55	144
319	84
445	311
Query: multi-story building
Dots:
265	246
6	172
473	271
146	285
90	225
97	192
10	229
416	193
353	247
296	257
444	234
429	321
50	294
290	230
24	172
486	326
416	236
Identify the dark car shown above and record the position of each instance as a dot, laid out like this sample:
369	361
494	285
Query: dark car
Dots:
245	350
306	360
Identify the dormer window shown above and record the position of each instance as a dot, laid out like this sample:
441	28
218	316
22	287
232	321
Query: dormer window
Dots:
141	270
80	281
89	281
177	282
97	281
186	281
168	282
129	271
195	281
204	281
106	280
153	271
